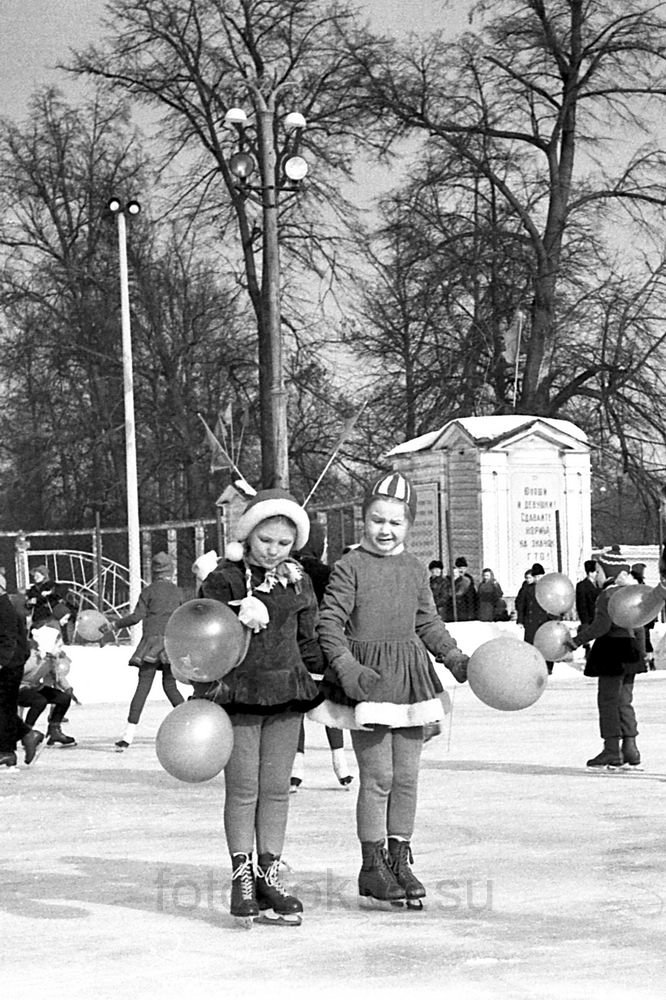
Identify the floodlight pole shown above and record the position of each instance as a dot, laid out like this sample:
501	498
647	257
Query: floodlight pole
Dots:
133	528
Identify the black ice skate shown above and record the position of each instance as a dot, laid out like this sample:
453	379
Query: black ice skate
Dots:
630	752
377	885
33	743
400	859
56	737
276	906
610	757
243	906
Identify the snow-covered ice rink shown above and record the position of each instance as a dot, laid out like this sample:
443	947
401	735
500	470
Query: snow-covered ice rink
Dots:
544	880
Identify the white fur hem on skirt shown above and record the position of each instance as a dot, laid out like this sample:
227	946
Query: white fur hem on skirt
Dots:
378	713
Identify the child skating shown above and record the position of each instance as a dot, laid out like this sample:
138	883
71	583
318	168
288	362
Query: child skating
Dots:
378	621
265	696
157	602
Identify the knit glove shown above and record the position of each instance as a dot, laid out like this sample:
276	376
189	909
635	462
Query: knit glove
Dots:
456	661
357	681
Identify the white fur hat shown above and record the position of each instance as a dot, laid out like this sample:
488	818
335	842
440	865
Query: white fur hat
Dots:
274	503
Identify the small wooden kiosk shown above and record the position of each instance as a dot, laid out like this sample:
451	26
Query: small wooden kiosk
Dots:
504	492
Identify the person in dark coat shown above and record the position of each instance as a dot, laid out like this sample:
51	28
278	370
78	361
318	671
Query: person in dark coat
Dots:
617	655
440	587
14	651
587	592
532	616
465	592
489	593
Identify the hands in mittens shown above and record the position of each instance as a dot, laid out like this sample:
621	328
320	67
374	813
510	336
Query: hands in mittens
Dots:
357	681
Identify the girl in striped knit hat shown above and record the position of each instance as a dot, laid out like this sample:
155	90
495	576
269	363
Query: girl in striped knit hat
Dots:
378	621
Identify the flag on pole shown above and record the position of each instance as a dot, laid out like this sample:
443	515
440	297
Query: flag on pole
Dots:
227	416
347	428
218	457
513	337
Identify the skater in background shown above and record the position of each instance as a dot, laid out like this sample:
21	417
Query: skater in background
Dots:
488	593
265	695
378	621
616	656
49	601
319	572
14	651
157	602
45	682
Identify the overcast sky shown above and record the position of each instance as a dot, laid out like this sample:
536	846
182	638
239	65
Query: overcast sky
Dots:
35	34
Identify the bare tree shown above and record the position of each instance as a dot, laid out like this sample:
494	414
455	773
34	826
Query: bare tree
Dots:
197	59
534	102
62	439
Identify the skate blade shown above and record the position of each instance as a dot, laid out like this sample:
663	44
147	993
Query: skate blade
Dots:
244	923
370	903
408	904
278	919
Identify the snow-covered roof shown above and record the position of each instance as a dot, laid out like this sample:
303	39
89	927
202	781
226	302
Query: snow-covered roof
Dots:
488	429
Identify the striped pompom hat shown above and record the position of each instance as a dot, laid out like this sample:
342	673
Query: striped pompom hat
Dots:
394	486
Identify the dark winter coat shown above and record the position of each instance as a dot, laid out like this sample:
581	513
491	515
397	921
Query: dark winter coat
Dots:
489	593
156	604
275	675
586	598
530	614
616	650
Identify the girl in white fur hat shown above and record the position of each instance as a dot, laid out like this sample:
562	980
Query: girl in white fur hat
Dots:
265	695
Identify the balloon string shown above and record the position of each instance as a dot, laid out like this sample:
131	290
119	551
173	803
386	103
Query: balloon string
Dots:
448	744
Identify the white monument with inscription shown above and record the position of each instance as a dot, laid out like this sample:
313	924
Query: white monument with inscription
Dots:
504	492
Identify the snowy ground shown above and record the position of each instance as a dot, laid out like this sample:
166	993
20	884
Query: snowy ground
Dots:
544	880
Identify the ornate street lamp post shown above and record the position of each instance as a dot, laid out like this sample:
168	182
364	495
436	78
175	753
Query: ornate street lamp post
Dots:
279	170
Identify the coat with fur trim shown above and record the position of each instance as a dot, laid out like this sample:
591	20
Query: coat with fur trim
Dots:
380	611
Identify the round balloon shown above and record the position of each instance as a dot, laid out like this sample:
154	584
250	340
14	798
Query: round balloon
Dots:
551	638
555	593
634	605
194	741
507	674
204	640
90	625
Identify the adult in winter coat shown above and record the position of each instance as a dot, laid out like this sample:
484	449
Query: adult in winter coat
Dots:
489	593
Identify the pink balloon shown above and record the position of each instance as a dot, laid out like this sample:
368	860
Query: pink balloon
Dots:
550	639
507	674
90	625
204	640
195	740
634	606
555	593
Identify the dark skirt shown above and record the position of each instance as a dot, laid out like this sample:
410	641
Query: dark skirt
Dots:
612	656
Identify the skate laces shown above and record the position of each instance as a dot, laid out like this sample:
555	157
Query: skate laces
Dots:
271	877
403	857
245	875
